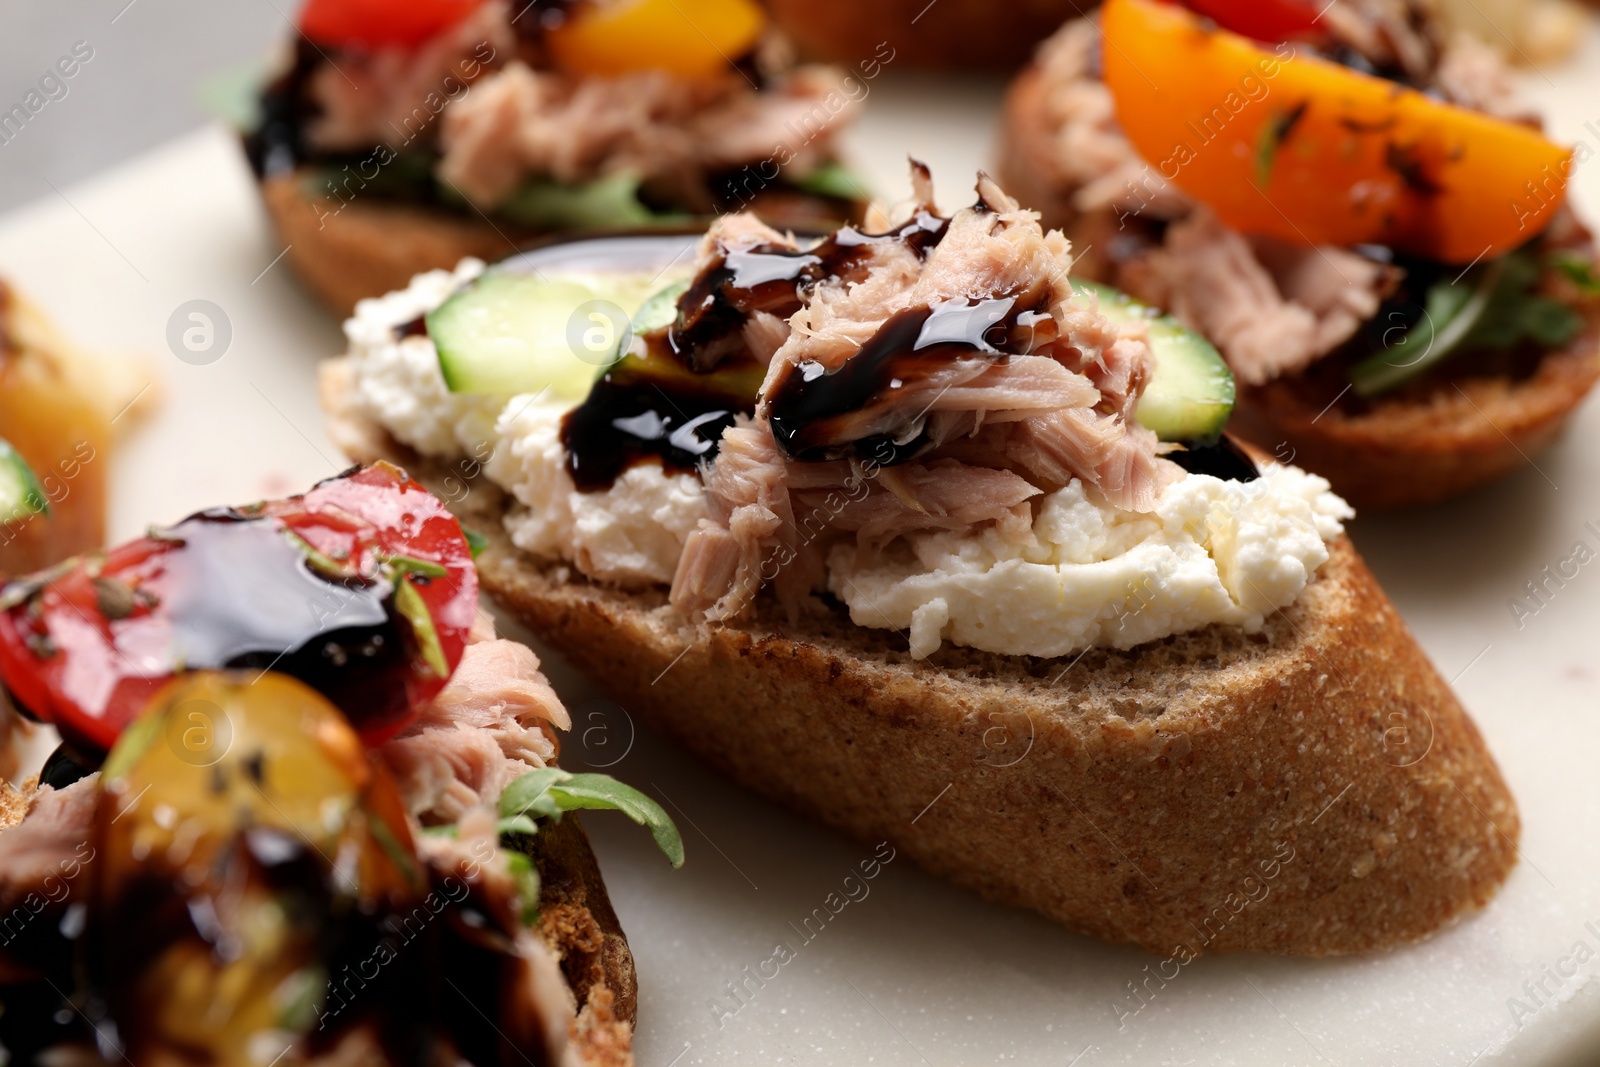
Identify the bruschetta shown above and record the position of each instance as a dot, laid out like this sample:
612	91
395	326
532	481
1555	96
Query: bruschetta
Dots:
911	531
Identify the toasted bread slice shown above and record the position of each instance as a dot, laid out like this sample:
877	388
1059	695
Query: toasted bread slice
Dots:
367	246
1435	440
1145	796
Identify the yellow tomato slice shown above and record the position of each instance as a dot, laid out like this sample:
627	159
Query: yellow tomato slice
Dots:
694	39
1303	149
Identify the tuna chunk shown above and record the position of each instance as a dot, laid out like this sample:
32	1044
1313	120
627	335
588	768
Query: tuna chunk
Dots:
937	381
519	123
1271	308
493	723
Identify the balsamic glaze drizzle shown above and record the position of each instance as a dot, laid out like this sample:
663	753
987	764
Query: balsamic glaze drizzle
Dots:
672	403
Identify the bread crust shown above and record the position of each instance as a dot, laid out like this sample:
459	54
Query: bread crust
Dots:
1322	765
577	920
368	246
1429	443
1445	438
347	251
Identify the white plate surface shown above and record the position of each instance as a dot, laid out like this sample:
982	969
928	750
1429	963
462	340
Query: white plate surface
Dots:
917	972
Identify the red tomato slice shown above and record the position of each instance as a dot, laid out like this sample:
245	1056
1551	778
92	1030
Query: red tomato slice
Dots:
363	588
1264	20
375	23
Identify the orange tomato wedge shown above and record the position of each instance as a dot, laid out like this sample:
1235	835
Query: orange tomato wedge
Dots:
1302	149
695	39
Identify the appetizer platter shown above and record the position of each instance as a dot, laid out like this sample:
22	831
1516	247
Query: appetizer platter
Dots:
923	541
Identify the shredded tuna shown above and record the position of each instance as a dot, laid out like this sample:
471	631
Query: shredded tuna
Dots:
1091	149
519	123
1475	75
992	428
500	122
1389	34
394	96
492	723
1271	308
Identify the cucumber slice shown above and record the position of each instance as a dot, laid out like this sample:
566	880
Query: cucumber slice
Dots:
1192	393
510	333
21	495
661	309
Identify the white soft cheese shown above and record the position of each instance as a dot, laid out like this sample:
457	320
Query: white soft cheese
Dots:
1092	576
398	383
631	534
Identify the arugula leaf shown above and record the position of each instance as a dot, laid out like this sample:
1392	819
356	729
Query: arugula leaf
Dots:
549	792
600	204
20	492
526	877
1579	269
516	824
1493	307
833	179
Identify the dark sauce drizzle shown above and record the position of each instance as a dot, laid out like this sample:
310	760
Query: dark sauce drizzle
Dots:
278	144
639	413
913	344
1224	459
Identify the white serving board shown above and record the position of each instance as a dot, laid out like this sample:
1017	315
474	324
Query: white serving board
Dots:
917	972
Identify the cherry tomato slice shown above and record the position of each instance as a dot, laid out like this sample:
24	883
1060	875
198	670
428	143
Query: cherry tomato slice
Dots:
363	588
693	39
376	23
1264	20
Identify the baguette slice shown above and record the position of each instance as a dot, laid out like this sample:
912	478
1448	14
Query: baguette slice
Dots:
1438	438
1144	796
1434	440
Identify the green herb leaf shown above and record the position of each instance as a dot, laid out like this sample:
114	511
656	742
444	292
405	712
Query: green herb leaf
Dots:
548	792
1492	307
408	602
1579	269
411	565
320	562
604	203
476	542
21	496
526	878
530	795
516	824
834	179
1273	134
